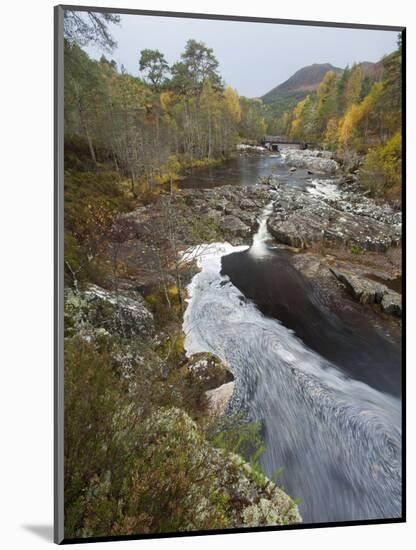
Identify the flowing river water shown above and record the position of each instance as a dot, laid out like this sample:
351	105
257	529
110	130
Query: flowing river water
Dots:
325	388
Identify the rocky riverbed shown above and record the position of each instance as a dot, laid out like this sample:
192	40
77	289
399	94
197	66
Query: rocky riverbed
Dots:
356	238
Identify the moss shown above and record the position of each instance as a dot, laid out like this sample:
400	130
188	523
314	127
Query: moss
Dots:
203	229
355	249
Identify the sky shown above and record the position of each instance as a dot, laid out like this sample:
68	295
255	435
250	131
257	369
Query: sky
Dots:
253	57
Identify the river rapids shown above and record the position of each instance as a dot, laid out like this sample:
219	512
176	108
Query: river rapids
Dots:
336	439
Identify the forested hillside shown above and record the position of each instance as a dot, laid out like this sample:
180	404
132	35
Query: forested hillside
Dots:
285	96
358	111
175	116
128	137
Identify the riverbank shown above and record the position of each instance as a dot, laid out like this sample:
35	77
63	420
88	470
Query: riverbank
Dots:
356	238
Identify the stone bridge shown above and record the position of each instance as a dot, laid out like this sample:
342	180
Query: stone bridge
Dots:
272	142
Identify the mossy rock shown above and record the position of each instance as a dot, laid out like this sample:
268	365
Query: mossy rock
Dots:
208	369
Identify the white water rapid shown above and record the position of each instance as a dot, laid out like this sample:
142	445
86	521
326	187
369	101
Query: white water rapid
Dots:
338	440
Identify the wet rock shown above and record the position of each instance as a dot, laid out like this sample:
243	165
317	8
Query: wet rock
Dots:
362	289
249	218
245	149
392	303
271	180
368	291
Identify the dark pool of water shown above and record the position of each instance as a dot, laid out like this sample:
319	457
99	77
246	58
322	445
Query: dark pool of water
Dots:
343	336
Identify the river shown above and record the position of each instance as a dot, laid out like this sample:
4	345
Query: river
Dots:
245	171
325	384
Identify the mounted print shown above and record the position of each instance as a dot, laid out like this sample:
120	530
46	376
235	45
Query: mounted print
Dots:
229	196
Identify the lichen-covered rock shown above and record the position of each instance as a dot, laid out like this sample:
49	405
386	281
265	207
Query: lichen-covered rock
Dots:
208	369
218	488
95	309
362	289
302	220
215	377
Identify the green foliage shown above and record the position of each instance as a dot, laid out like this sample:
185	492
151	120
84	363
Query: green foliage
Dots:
140	125
355	249
135	462
92	202
155	67
253	123
234	434
199	64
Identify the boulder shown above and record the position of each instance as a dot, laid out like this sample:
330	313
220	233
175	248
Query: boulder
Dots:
368	291
234	228
208	369
392	303
303	219
218	398
311	160
123	312
247	204
363	290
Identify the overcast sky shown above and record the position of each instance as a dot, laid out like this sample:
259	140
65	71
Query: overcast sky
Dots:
253	57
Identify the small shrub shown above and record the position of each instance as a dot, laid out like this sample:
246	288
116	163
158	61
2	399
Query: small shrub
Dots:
355	249
381	172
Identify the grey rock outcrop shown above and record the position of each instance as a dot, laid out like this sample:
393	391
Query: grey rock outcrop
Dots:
302	220
234	228
123	312
366	291
318	161
392	303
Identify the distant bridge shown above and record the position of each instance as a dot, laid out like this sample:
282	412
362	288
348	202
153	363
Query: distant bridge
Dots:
273	142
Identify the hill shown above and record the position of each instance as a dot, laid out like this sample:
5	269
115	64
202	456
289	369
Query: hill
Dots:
303	81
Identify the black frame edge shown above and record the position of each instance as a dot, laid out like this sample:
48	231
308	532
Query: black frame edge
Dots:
212	16
58	524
